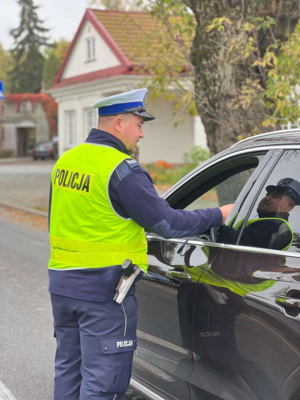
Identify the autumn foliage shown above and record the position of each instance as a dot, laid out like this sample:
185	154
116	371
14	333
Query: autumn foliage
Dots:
48	103
165	173
163	164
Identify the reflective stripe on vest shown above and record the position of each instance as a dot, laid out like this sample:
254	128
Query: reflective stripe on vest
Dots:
85	231
97	255
251	221
95	260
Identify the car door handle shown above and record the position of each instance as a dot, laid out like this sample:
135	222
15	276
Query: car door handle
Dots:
179	276
288	302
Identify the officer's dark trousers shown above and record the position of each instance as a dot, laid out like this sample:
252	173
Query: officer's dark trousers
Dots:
95	344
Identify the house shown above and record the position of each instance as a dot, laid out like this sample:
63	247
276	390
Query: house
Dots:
101	62
27	119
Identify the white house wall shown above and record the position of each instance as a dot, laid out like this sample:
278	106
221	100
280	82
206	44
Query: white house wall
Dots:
78	64
10	138
163	141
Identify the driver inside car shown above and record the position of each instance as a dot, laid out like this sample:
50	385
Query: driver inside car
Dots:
271	229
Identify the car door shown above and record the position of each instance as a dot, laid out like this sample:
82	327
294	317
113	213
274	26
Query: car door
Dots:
246	322
164	355
164	358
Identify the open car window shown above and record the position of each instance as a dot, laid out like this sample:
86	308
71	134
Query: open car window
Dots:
274	221
225	182
225	192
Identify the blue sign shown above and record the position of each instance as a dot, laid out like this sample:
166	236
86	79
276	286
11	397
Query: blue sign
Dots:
1	90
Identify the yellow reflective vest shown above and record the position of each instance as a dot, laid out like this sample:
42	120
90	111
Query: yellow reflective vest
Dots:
85	231
285	226
210	277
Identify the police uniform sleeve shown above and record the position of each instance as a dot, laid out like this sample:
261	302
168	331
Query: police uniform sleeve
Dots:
135	193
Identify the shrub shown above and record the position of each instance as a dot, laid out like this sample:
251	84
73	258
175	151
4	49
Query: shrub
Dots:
196	156
163	164
163	173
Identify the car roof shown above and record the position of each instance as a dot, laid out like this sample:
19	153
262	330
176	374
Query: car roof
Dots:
43	143
288	136
264	140
269	139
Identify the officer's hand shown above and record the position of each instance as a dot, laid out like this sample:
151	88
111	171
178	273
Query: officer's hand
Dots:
225	211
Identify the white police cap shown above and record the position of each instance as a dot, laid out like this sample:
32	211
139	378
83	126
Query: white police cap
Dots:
129	102
289	187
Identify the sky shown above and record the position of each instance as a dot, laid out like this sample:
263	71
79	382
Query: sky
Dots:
62	17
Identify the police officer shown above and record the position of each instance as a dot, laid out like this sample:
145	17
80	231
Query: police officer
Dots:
101	200
271	229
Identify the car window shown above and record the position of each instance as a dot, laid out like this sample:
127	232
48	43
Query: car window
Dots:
274	221
225	192
228	181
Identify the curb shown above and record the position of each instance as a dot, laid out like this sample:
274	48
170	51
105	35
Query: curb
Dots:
24	209
14	160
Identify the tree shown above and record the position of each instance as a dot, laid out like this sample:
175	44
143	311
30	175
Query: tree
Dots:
282	95
118	5
231	50
108	4
6	64
30	39
53	59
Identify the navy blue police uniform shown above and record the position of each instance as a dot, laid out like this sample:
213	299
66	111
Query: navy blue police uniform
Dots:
92	358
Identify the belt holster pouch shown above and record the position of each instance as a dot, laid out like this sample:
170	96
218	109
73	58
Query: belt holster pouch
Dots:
129	275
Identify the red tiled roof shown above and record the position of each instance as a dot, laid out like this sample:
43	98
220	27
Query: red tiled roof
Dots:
125	64
129	30
125	33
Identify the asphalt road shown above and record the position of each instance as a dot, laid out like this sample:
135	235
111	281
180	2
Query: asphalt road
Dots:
26	183
27	346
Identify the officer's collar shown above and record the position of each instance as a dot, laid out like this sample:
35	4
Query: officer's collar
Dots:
283	215
97	136
273	214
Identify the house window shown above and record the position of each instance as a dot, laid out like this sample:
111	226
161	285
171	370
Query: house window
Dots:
25	107
90	117
90	46
70	128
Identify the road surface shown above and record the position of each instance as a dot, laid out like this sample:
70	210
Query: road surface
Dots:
27	346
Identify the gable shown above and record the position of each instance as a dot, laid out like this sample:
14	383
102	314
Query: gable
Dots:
120	39
78	62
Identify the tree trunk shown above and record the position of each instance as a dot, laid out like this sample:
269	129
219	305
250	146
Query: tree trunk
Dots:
219	80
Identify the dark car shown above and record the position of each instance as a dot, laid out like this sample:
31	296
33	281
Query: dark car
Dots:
44	150
219	314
